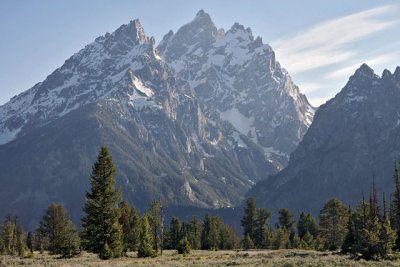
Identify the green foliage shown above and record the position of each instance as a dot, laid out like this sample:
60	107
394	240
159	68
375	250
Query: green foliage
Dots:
395	205
174	233
30	241
130	223
12	237
59	232
106	253
184	246
285	220
333	218
387	236
247	243
261	235
20	241
281	239
145	248
248	221
101	225
155	223
306	223
370	236
194	233
307	242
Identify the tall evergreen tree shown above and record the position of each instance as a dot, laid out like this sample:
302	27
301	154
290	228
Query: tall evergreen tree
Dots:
30	241
395	205
261	236
58	229
285	220
174	233
306	223
333	218
249	218
12	235
145	248
194	233
155	223
130	223
20	241
101	225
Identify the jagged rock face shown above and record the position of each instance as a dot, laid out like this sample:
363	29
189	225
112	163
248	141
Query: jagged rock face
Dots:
239	80
354	137
118	91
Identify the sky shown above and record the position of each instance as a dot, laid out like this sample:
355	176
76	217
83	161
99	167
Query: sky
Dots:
320	42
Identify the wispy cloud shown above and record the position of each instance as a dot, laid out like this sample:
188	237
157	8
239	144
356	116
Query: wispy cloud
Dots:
327	43
345	72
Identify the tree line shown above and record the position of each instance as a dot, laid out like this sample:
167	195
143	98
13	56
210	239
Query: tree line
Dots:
111	227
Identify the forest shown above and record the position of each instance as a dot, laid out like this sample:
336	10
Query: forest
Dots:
111	228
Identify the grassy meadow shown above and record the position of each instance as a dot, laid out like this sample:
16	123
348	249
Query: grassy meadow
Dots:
284	258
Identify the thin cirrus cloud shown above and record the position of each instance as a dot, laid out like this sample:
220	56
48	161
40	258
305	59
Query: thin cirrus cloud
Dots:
325	44
334	49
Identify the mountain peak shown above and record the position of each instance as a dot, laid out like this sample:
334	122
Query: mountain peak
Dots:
365	71
133	30
396	73
386	74
237	27
203	17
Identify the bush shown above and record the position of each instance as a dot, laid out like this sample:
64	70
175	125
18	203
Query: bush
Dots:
184	246
105	252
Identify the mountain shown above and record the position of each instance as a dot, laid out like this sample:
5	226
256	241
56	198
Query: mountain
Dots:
170	140
118	91
239	80
353	138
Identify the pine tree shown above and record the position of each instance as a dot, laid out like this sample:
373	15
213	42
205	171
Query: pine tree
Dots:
29	241
333	218
100	225
306	223
387	238
40	241
214	236
174	234
183	246
130	223
387	235
8	231
247	243
12	236
395	205
249	218
155	223
205	233
285	221
261	229
20	241
281	239
145	248
58	229
194	233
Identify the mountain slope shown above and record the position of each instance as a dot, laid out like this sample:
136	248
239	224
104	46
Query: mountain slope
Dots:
354	137
118	91
239	80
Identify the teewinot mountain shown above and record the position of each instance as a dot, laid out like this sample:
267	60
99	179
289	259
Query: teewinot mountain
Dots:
353	137
194	125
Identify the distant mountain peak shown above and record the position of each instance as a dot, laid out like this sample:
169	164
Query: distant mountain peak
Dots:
386	74
365	71
133	30
396	73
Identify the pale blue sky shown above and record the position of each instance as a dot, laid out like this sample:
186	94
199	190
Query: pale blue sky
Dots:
320	42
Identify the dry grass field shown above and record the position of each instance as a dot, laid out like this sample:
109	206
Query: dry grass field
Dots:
283	258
